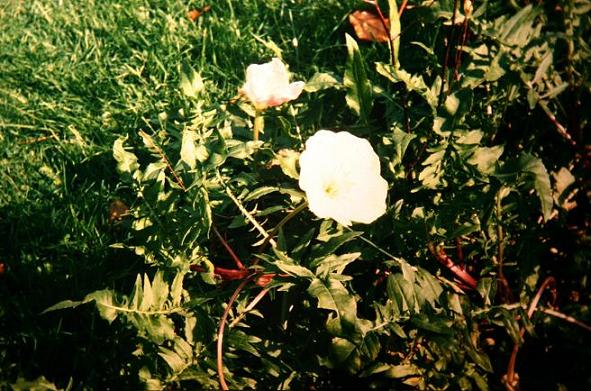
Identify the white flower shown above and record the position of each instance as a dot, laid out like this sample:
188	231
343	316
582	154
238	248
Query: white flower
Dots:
268	85
340	174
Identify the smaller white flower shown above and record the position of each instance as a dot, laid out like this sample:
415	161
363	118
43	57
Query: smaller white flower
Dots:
340	174
268	85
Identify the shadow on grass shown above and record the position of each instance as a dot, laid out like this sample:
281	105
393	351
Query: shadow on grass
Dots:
56	248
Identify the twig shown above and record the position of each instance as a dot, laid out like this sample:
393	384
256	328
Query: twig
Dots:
402	7
386	28
510	382
249	308
160	152
446	261
235	258
245	213
450	37
281	223
458	59
502	280
36	140
561	129
372	244
460	251
220	343
565	317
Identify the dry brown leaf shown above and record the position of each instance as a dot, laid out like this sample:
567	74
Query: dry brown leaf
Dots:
117	210
369	27
194	14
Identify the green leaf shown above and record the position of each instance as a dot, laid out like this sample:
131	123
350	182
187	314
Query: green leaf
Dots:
414	83
533	173
401	142
174	361
331	244
485	158
399	371
359	97
335	264
437	326
428	287
259	192
126	161
106	304
541	182
402	292
322	81
394	30
518	30
188	150
486	289
65	304
294	270
332	295
191	82
341	349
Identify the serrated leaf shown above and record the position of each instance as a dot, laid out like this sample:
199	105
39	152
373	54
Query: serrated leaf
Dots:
105	302
533	173
480	358
359	96
486	289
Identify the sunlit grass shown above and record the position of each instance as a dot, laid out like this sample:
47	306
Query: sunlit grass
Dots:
73	77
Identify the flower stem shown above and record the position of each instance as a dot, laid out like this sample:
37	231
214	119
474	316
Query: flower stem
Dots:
222	325
259	124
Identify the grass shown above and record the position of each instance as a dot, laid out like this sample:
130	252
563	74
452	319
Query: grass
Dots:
75	76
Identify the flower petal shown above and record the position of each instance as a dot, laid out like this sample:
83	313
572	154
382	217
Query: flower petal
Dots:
340	174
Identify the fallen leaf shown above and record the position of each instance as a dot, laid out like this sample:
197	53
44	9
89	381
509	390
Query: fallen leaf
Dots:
194	14
369	27
117	210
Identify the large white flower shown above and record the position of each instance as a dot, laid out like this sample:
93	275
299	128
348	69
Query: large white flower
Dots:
340	174
268	85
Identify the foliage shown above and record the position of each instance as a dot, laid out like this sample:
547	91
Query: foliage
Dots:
476	114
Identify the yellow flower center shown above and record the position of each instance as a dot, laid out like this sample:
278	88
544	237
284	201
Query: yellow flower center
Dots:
330	189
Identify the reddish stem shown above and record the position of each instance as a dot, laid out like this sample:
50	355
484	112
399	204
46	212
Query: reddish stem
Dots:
446	261
220	344
234	274
235	258
402	7
386	27
511	383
